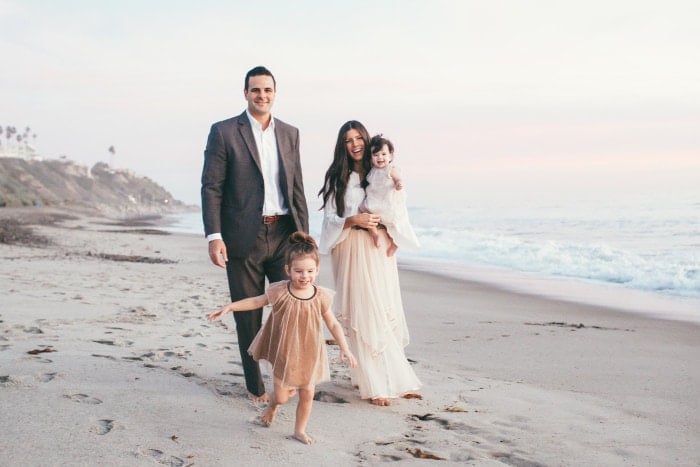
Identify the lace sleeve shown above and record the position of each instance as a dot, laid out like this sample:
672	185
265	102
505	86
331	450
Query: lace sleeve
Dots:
332	231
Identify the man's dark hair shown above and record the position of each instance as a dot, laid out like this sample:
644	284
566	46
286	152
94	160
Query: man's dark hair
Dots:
258	71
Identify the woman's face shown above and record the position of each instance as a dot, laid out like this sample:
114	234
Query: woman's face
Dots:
355	145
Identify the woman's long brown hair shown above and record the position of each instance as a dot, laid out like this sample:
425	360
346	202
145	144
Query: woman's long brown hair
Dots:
335	182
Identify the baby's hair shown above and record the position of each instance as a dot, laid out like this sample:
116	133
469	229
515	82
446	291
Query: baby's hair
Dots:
302	244
377	143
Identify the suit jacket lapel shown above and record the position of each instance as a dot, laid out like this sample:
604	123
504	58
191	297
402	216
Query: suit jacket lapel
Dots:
247	135
283	150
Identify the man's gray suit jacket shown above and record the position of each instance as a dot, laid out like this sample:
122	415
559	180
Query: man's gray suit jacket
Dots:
233	191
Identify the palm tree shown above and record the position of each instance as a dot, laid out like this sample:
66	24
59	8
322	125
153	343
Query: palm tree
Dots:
9	132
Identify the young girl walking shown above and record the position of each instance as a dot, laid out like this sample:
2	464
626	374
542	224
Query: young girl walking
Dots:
292	337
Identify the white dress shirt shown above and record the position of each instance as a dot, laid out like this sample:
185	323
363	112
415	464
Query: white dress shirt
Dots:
266	142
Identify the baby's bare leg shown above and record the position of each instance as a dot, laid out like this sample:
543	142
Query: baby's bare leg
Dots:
306	399
392	248
374	233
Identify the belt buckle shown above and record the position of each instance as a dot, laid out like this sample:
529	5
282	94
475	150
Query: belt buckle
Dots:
269	219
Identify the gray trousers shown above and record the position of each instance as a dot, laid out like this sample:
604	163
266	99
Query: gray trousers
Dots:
246	278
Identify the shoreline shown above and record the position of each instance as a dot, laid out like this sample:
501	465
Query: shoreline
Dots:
616	297
577	290
106	357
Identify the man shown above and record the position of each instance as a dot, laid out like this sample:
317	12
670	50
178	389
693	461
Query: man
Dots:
252	201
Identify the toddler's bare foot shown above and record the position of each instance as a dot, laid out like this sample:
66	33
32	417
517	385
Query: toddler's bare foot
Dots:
264	398
303	437
268	416
391	250
381	401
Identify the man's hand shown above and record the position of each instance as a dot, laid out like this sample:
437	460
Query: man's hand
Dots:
217	253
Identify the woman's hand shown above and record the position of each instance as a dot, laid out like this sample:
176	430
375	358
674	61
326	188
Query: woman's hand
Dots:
366	220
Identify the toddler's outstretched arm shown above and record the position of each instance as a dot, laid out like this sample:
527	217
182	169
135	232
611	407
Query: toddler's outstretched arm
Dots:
246	304
337	331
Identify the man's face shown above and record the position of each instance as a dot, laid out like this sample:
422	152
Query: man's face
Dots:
260	95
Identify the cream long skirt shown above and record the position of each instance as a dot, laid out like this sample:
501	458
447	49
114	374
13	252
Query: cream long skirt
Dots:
368	304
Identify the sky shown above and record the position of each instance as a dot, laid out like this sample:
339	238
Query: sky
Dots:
482	99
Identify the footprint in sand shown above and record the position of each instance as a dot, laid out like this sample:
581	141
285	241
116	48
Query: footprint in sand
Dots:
24	381
323	396
46	377
111	342
108	357
510	459
158	356
133	359
160	457
445	423
83	398
183	371
103	427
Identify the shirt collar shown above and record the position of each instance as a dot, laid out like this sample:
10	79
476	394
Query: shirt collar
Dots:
256	124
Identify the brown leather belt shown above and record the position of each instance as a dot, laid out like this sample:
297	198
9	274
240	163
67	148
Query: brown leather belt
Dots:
273	219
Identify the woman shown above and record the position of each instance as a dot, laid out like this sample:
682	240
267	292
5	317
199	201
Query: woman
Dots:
368	298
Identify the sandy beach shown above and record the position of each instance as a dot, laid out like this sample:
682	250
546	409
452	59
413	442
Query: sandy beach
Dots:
106	358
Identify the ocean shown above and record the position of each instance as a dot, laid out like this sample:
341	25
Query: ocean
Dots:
640	256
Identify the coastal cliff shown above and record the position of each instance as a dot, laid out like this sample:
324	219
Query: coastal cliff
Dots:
63	183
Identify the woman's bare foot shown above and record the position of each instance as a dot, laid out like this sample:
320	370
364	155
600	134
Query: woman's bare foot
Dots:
268	416
412	395
264	398
303	437
381	401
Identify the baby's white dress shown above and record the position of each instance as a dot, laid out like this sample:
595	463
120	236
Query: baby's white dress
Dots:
382	198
